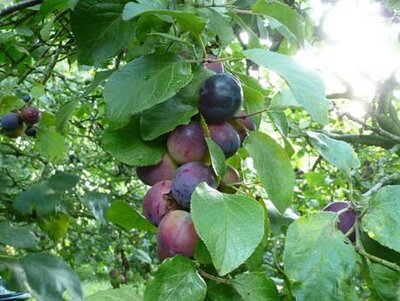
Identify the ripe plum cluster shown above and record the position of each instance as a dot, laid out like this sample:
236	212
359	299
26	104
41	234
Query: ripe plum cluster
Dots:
15	123
186	164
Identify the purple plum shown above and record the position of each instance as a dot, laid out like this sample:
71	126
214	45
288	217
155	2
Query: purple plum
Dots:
227	138
347	216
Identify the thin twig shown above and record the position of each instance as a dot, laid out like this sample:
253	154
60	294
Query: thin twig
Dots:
214	278
19	6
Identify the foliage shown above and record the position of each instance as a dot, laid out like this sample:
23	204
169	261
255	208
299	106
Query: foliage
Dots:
113	78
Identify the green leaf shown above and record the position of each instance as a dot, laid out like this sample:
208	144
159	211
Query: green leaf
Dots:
163	118
143	83
306	85
254	101
177	280
123	215
386	282
230	225
17	236
220	24
55	226
45	31
188	21
50	144
339	153
381	221
282	13
119	294
37	90
284	99
254	41
273	167
7	103
255	287
62	181
98	203
99	29
126	145
47	277
221	292
38	197
64	114
317	259
217	157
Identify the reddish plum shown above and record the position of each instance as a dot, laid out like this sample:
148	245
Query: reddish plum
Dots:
186	143
164	170
157	202
176	235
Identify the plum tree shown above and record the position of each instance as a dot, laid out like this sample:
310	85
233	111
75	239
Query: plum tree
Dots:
220	97
347	216
157	203
11	121
216	67
164	170
187	177
30	115
231	177
225	135
186	143
243	123
176	235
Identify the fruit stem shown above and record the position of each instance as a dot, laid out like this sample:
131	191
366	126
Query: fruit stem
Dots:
212	277
255	113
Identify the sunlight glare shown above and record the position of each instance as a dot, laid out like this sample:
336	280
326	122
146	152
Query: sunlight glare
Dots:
360	45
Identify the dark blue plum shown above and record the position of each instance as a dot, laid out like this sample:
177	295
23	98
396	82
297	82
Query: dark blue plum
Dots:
220	97
225	135
347	217
26	98
11	121
31	132
176	235
187	177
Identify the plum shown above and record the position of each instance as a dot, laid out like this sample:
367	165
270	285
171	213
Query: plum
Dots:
31	132
26	98
176	235
347	216
216	67
231	177
227	138
157	203
11	122
164	170
31	115
243	123
186	143
220	97
187	177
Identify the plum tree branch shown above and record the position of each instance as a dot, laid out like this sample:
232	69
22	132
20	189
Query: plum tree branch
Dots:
381	182
19	6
